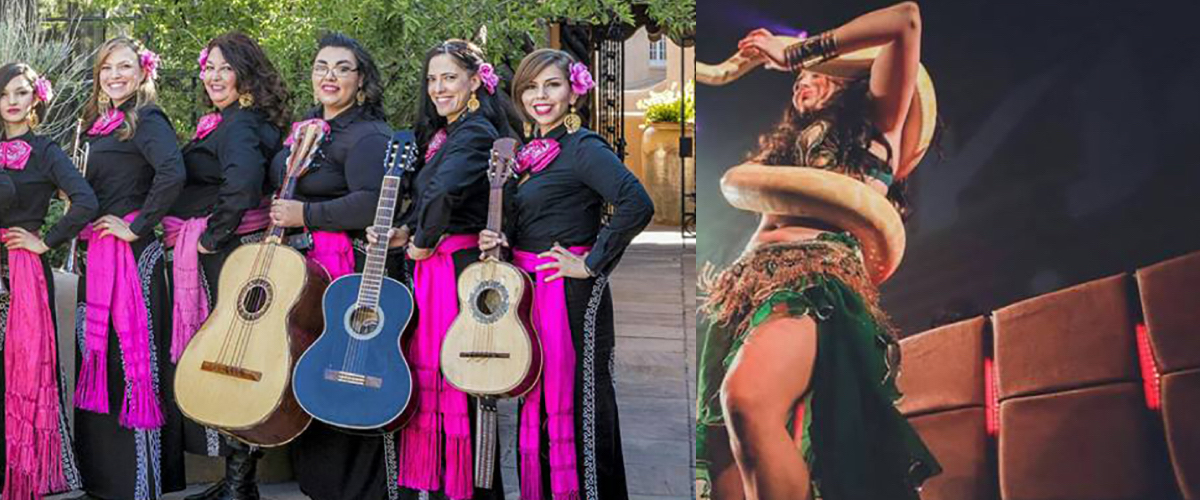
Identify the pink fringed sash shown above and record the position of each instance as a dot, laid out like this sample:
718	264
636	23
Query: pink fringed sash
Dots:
114	291
556	389
32	442
191	301
440	407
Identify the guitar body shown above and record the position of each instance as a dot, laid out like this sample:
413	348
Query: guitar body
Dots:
489	350
235	374
355	376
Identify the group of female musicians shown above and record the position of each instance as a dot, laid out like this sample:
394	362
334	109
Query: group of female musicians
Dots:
136	313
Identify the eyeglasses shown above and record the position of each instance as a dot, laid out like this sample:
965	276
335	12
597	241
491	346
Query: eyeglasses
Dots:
339	72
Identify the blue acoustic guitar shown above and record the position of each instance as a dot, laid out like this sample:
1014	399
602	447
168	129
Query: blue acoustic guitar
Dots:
354	376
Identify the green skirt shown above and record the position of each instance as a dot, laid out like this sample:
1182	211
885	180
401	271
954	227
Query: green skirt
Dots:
856	443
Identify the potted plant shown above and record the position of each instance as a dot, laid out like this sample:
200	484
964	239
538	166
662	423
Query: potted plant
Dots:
661	164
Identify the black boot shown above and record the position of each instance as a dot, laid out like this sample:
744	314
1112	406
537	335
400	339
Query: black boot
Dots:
240	470
213	492
239	482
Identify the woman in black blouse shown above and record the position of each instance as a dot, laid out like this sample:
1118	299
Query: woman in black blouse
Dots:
32	169
127	425
221	209
335	202
565	177
461	112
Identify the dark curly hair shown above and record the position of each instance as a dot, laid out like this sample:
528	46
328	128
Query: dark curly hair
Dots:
13	70
497	108
372	82
848	115
256	75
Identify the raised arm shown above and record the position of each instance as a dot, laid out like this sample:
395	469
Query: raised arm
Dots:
896	29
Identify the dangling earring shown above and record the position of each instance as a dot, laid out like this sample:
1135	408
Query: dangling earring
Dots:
361	97
528	130
104	102
573	121
473	104
34	121
246	100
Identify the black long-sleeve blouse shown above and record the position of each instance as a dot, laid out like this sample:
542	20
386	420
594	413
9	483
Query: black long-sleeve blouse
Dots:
563	202
227	171
143	173
341	189
451	190
26	201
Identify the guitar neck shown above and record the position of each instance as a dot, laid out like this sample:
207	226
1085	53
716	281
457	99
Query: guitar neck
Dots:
297	164
373	271
274	232
495	215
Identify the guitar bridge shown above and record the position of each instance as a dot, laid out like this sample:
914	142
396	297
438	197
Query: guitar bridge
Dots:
353	378
232	371
483	354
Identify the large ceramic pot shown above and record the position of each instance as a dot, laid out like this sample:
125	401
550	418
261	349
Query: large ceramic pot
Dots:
661	167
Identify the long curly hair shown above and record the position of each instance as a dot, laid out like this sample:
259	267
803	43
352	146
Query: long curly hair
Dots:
497	108
256	75
145	95
12	70
848	113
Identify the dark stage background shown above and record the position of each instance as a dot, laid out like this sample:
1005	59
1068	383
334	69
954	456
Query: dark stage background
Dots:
1072	148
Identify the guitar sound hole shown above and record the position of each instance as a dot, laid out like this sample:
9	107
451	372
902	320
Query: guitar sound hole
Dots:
364	321
489	301
254	299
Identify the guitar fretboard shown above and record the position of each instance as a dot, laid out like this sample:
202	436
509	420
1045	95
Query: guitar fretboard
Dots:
376	266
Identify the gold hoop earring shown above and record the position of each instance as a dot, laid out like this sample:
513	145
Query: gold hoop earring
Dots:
473	104
528	130
246	100
361	97
573	121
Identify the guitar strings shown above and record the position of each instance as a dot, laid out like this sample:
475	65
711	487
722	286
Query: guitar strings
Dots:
238	336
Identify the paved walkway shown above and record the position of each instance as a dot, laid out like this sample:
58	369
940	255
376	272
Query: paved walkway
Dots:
654	292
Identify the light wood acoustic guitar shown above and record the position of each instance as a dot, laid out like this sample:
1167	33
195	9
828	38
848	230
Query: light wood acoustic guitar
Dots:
235	374
489	351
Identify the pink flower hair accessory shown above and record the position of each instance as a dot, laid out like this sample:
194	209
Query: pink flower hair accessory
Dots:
488	75
149	61
43	90
581	79
203	60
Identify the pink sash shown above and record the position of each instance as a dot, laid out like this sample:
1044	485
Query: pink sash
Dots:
333	251
32	443
440	407
114	291
557	385
191	302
